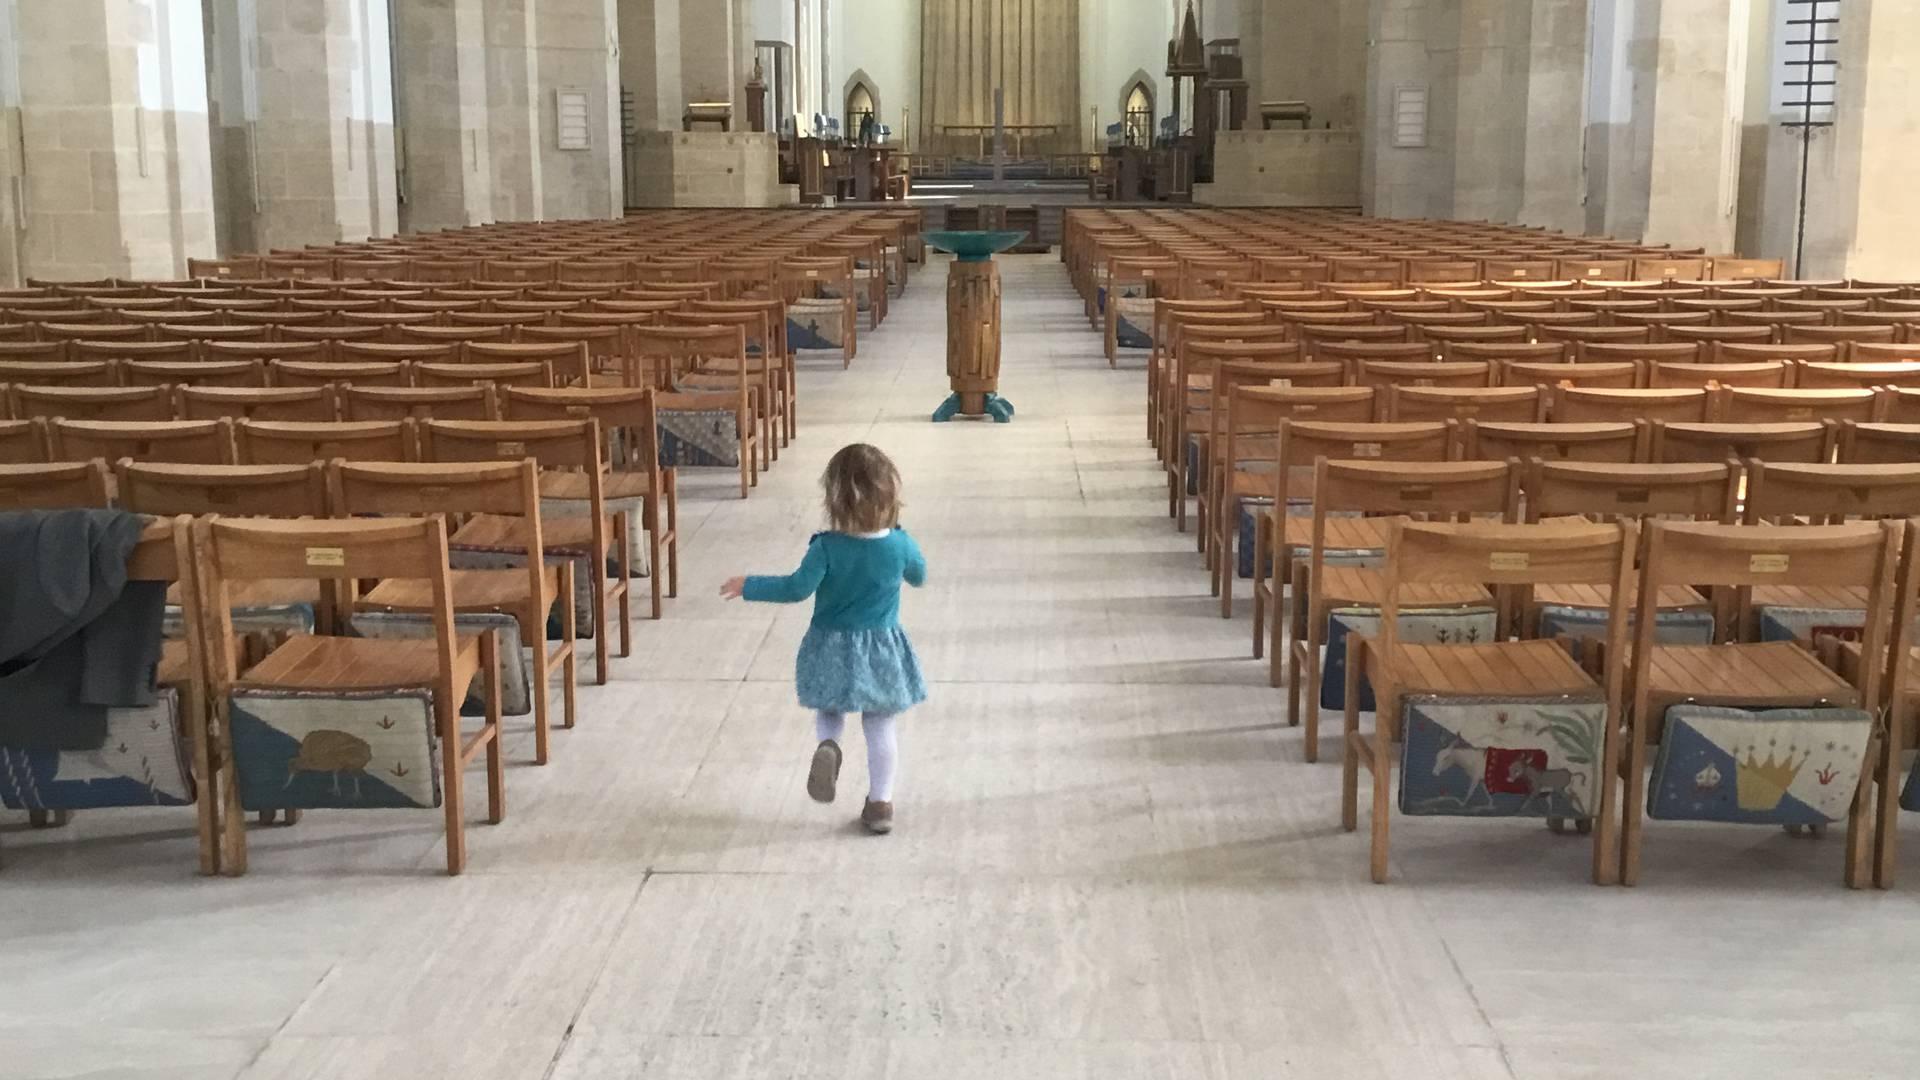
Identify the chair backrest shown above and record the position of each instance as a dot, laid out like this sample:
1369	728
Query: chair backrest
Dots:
1765	374
359	489
305	373
616	408
59	373
187	442
1432	489
1514	404
1755	405
299	403
1385	373
1865	352
1584	404
1696	490
1809	442
286	491
527	373
660	355
233	550
60	486
1815	376
1302	443
1623	374
1499	441
554	444
419	403
193	372
1533	352
1782	491
93	402
178	352
282	443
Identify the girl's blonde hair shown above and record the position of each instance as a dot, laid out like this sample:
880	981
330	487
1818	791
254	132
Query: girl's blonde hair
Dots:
863	490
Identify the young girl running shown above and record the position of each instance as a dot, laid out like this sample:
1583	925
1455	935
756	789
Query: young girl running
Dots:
855	657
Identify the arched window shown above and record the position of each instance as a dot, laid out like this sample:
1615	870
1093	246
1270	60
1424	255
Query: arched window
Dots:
1139	115
860	110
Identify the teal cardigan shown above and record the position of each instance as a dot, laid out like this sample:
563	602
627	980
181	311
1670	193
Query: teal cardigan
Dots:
857	580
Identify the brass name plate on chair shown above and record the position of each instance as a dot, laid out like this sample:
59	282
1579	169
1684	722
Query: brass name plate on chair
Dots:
326	556
1767	564
1366	449
1509	560
511	448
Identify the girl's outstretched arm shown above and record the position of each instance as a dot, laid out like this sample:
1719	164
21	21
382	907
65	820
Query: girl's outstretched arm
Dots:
794	587
915	572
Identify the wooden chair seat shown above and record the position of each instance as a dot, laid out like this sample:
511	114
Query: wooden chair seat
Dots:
473	590
1775	674
1836	598
334	663
1342	585
569	536
1343	533
620	486
1252	485
1504	669
1672	597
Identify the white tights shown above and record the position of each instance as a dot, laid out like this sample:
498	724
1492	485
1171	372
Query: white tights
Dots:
883	746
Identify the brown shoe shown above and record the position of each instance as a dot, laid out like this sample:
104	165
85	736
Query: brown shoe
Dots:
877	817
825	772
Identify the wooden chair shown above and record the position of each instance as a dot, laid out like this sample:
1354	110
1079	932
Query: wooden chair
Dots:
641	487
527	593
185	442
773	345
1871	334
417	403
60	486
1580	732
311	404
359	675
572	364
150	403
821	290
1879	444
1383	374
1594	442
1383	489
1250	426
1768	675
1583	404
574	446
1866	352
262	442
675	360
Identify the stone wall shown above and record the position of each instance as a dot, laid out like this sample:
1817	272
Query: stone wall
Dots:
707	168
1284	168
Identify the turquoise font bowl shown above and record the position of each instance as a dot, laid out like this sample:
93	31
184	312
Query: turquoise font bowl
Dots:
975	246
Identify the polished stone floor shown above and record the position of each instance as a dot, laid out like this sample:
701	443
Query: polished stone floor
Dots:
1111	862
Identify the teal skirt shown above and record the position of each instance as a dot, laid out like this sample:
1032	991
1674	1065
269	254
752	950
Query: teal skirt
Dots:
863	671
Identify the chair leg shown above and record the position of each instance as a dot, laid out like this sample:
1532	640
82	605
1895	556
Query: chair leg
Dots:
597	574
1382	803
1349	758
1260	585
1279	649
746	462
1860	824
1309	680
1631	820
656	572
625	530
496	755
453	776
1886	809
542	685
1223	556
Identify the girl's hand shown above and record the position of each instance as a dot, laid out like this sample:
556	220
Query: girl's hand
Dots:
732	588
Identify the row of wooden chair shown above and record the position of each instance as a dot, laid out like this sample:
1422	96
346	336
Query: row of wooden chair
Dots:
1605	721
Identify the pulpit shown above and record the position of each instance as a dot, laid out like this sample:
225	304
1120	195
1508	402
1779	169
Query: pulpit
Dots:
973	324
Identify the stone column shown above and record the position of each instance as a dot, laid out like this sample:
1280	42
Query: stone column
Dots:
310	148
1553	181
106	165
1860	220
1394	181
576	46
513	116
1693	178
650	61
445	142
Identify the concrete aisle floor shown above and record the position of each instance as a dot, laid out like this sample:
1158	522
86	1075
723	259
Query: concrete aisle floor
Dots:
1111	860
